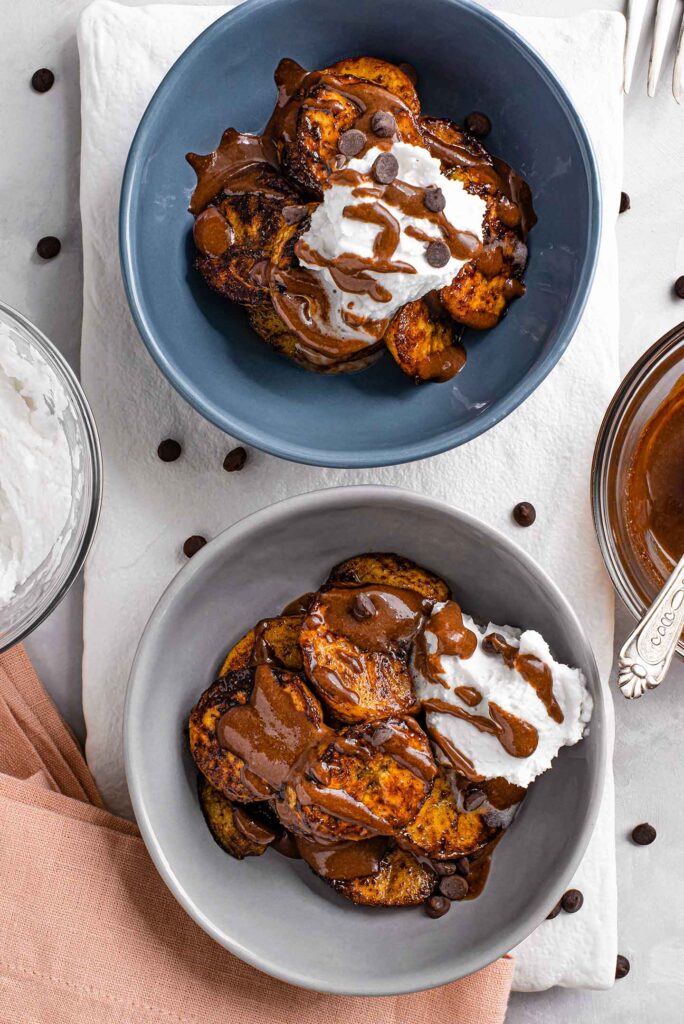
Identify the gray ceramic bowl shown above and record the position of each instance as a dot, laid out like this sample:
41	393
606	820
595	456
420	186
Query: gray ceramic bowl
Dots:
273	912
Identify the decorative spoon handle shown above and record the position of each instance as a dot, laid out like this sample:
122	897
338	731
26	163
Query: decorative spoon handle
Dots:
646	655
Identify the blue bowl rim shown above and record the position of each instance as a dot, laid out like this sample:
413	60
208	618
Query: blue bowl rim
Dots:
351	458
321	500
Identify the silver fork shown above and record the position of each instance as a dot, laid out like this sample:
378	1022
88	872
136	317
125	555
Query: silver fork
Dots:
636	15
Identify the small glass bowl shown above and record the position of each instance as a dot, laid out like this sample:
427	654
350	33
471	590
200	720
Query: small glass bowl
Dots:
644	388
39	595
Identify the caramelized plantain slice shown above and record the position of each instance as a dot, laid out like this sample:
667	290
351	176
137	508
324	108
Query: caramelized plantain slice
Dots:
423	340
387	568
232	827
389	76
441	831
371	778
226	771
477	300
272	640
401	882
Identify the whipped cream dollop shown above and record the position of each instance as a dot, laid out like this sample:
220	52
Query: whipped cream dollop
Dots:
519	688
35	464
333	233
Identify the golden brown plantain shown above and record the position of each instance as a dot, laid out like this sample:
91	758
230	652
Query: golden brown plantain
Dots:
220	816
389	76
225	770
441	831
423	340
371	778
401	882
387	568
278	641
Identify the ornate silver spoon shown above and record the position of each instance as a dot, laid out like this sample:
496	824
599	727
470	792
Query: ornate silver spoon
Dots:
646	654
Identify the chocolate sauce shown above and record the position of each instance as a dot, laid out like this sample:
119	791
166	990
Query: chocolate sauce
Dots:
517	737
469	695
344	860
211	232
452	637
398	616
235	166
300	605
252	829
532	669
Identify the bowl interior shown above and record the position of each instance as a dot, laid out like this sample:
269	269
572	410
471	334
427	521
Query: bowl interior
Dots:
272	911
378	416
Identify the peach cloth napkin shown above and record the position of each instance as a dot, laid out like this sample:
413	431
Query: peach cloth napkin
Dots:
90	933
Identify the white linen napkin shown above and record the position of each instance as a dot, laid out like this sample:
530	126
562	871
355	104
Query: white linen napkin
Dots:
541	453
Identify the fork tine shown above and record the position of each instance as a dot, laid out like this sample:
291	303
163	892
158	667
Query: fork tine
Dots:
678	73
664	12
636	12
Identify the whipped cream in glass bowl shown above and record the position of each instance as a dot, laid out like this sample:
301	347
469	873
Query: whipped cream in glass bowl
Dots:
50	477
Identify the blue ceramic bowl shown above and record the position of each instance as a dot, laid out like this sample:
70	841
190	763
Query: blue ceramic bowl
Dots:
467	59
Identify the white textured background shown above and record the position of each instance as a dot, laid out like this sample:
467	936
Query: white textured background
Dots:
39	173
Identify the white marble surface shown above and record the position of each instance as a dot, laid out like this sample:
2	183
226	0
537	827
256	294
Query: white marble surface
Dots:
39	170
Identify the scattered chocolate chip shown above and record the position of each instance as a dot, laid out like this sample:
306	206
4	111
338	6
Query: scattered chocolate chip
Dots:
625	203
644	834
169	450
383	125
437	254
385	168
463	867
409	71
571	901
555	912
622	966
437	906
679	287
193	545
434	199
453	887
478	124
363	607
489	643
42	80
351	142
48	247
235	460
473	799
524	513
444	868
294	214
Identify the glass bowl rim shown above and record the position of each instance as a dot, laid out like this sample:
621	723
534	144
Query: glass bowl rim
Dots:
79	403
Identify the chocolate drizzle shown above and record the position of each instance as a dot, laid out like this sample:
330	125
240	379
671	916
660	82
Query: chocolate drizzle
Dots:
445	634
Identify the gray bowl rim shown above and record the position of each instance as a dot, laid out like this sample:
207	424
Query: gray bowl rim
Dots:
351	458
319	501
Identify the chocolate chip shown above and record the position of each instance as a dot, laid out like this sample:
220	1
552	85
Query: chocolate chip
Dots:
294	214
42	80
463	867
644	834
383	125
409	71
524	513
352	142
571	901
555	912
437	254
488	644
434	199
453	887
235	460
193	545
622	966
385	168
437	906
169	450
679	287
625	203
444	868
473	799
478	124
363	607
48	247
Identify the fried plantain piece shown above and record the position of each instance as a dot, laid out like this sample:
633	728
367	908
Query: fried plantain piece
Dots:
269	325
387	568
389	76
230	825
277	640
226	771
441	831
401	882
423	339
371	778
